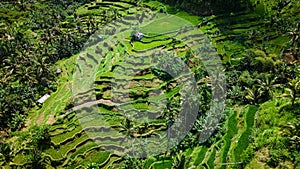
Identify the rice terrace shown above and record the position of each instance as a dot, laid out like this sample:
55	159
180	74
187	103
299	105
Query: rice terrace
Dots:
148	84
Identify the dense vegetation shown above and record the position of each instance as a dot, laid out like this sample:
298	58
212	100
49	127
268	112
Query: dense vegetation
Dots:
209	7
257	42
33	38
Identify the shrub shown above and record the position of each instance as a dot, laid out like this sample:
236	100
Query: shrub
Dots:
5	150
263	64
248	154
245	79
40	136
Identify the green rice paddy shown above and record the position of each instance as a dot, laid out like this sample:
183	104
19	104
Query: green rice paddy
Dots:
71	144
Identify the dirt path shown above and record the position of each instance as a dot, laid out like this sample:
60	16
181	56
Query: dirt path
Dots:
108	102
40	120
51	120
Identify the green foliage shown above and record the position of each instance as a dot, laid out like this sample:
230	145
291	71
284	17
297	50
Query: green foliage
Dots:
131	163
179	161
92	166
263	88
272	137
5	150
40	136
245	79
162	164
231	130
248	154
147	163
262	64
31	46
39	39
211	7
211	159
198	155
37	160
258	60
292	89
97	158
244	141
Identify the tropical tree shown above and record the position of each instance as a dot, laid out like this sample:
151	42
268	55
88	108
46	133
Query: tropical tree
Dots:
266	86
40	137
293	33
6	151
127	127
292	130
92	166
179	161
292	89
38	159
252	95
131	163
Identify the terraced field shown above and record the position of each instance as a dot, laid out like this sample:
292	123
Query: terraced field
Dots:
131	101
233	143
126	76
129	77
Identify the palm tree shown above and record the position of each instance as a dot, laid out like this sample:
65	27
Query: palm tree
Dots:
292	130
189	103
92	166
38	160
252	95
127	127
40	137
6	151
179	161
266	86
294	34
293	89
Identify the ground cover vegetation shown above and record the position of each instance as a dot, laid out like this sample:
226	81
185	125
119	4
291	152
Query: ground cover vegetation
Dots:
257	42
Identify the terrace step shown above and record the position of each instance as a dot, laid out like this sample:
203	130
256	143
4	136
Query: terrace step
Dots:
243	140
232	129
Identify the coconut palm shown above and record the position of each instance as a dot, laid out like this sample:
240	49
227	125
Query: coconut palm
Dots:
127	127
266	86
42	70
292	130
92	166
294	37
6	151
252	95
293	90
179	161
